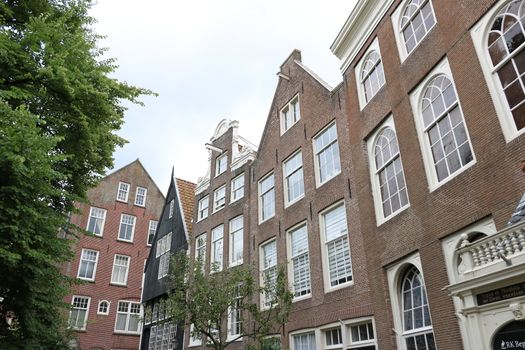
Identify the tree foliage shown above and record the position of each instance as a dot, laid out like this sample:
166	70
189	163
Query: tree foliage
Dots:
59	109
205	300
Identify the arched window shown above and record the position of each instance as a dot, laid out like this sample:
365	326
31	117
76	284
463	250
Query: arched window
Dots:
372	75
445	128
389	172
417	20
103	307
417	325
505	45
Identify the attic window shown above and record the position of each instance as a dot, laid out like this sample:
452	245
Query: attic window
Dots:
221	164
290	114
172	204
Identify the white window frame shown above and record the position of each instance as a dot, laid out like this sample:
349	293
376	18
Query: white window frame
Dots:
263	270
201	247
126	190
260	196
203	209
132	227
374	46
317	166
216	200
89	261
128	317
126	267
218	161
291	257
479	34
313	331
87	311
395	273
236	336
143	196
163	254
324	249
376	191
234	189
103	218
107	310
288	108
215	241
397	16
171	208
193	341
296	170
150	227
240	233
416	97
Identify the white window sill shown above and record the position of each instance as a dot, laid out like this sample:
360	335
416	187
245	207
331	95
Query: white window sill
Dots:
237	263
288	204
86	279
391	216
127	333
218	209
121	200
340	286
118	284
233	338
140	205
271	217
302	297
236	199
124	240
319	184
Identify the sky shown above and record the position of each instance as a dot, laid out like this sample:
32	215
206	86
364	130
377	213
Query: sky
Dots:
208	60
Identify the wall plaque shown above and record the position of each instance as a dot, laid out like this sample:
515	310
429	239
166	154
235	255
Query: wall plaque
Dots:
516	290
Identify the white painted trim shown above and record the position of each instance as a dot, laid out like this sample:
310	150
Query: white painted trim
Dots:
317	168
127	192
87	311
127	270
288	105
230	241
262	299
132	229
98	307
215	192
479	34
315	331
357	29
145	196
376	192
103	221
259	196
416	97
232	199
287	201
289	259
203	199
92	279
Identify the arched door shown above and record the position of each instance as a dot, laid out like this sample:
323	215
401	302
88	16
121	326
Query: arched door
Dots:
510	337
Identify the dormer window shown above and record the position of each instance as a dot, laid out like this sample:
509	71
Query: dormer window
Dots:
290	114
221	164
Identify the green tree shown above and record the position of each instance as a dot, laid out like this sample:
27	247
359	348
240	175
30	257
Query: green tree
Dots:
59	110
205	301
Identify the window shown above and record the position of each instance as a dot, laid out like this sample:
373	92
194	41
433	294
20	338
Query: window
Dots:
103	307
293	178
221	163
195	338
128	317
268	268
333	338
235	316
499	41
370	75
410	310
266	198
416	315
411	23
200	248
336	250
299	261
326	150
172	206
219	198
290	114
97	218
271	343
163	252
442	133
140	196
217	248
127	228
236	240
163	336
203	208
386	169
120	269
362	334
151	231
123	192
305	341
237	188
79	312
88	264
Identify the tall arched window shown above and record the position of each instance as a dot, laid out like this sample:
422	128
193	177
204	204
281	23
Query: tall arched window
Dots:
372	75
505	44
445	128
417	325
389	172
417	20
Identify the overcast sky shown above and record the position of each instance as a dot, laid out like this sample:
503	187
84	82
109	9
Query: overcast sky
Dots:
208	60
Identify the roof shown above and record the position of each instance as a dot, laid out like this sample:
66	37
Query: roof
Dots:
186	191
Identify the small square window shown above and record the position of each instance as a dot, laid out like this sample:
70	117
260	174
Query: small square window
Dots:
140	196
123	192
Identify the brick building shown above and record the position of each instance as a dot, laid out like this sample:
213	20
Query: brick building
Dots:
121	216
389	197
